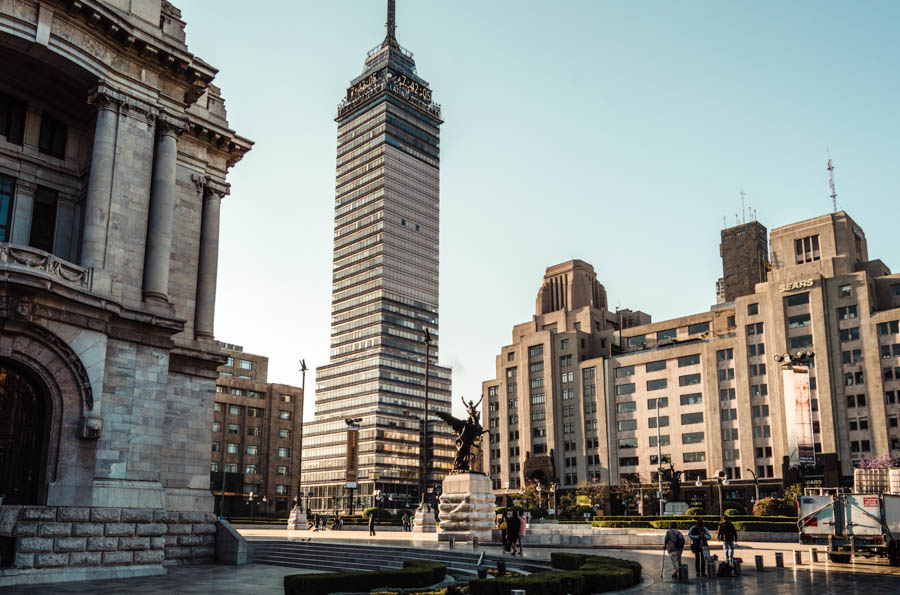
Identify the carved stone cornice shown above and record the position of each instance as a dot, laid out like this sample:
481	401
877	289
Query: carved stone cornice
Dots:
171	125
209	188
180	63
104	96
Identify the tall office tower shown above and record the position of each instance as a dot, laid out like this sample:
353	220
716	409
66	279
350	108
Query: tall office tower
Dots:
744	251
384	292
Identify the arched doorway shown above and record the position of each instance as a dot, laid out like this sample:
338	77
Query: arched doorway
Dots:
23	431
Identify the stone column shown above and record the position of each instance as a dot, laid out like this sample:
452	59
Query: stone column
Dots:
208	263
22	210
96	214
161	217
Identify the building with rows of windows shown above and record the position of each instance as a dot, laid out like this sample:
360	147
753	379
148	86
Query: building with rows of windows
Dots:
384	293
256	434
585	394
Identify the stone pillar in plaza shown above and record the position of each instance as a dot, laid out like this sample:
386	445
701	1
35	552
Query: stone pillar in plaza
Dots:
423	520
467	507
161	217
97	203
207	269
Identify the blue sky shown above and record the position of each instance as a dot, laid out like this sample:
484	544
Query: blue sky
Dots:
615	132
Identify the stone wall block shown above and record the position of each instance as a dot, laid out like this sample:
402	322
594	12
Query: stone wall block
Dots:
51	560
55	529
163	516
119	529
70	544
210	518
198	553
38	513
102	544
134	543
24	560
137	515
106	515
159	543
84	559
87	530
34	544
73	514
179	530
26	529
9	515
208	540
191	517
117	558
149	557
171	539
151	529
204	529
177	553
190	540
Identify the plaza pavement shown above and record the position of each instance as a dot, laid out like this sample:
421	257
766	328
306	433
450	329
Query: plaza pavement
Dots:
862	577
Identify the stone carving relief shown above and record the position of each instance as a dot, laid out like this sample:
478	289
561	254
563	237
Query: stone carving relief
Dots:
32	258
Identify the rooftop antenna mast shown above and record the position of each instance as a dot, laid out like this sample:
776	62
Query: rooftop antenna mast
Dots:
391	38
831	183
743	210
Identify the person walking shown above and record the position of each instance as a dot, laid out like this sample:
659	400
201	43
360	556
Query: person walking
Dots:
512	532
324	522
316	524
728	536
700	546
523	527
406	521
504	537
371	524
674	546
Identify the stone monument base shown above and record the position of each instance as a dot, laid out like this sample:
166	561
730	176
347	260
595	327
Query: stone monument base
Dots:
467	507
423	520
297	520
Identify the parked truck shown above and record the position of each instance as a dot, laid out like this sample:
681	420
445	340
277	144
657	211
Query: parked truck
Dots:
851	524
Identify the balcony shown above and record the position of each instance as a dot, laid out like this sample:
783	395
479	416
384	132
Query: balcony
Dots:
37	263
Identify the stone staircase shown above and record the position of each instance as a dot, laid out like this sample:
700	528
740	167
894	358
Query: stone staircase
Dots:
335	557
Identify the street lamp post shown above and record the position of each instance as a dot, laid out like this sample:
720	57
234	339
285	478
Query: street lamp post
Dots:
755	482
720	480
659	461
297	519
553	487
423	521
539	488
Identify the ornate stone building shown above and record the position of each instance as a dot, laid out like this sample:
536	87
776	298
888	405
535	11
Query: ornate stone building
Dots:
114	149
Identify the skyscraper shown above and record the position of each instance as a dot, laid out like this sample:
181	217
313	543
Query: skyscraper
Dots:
384	292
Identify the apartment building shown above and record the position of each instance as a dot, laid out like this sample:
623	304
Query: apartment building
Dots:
605	401
256	435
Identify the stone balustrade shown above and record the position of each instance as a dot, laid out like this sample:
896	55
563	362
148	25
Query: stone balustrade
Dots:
32	260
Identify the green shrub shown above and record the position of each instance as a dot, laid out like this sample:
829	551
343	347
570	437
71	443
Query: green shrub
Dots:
537	513
415	573
695	511
774	507
381	514
731	512
622	524
766	527
737	506
600	573
685	525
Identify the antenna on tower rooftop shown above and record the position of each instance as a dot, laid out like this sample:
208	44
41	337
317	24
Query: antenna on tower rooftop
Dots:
390	38
831	182
743	210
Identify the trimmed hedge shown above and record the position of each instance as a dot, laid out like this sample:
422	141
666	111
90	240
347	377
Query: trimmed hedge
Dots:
415	573
577	574
782	526
766	527
705	517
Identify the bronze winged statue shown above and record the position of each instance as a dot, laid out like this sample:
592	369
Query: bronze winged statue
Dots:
468	431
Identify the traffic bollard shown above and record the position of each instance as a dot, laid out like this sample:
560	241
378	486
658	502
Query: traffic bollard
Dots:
737	566
452	541
711	568
779	560
759	564
798	557
683	573
474	543
813	554
517	592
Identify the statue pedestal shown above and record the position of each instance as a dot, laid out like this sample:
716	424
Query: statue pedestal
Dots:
423	520
297	520
467	507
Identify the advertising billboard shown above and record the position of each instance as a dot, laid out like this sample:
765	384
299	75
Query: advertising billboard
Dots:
798	416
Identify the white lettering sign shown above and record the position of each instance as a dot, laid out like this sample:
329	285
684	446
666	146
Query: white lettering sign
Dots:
796	285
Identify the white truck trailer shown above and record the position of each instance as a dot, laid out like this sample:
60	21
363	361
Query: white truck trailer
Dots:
851	524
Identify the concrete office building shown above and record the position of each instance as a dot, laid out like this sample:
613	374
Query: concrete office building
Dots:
384	293
578	398
114	150
744	251
256	434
